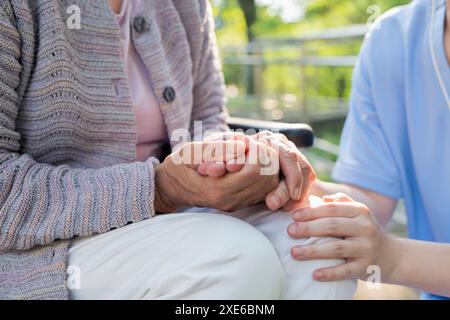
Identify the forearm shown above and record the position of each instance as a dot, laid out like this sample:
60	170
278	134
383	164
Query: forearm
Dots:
382	207
322	188
40	203
422	265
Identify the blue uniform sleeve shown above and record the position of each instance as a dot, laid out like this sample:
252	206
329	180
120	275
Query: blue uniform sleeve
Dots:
365	157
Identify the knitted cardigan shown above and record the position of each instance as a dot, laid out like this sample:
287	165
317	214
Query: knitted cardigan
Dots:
67	127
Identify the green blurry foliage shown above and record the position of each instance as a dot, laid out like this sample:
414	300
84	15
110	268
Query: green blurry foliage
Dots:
319	14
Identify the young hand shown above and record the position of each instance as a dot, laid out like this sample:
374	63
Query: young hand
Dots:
362	243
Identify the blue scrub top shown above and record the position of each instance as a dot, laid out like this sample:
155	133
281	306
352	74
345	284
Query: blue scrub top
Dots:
396	139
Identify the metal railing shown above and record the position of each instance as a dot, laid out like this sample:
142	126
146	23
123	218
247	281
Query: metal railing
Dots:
254	58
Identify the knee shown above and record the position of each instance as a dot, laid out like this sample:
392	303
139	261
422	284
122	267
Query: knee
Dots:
249	265
302	285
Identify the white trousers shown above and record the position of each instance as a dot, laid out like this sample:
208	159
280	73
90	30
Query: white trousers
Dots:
201	254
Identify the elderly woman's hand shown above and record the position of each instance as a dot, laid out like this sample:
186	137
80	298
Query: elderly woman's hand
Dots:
178	184
298	174
293	190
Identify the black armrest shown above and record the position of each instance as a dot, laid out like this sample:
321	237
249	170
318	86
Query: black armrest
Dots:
299	133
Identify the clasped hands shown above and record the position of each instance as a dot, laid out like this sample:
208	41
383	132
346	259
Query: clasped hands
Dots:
233	173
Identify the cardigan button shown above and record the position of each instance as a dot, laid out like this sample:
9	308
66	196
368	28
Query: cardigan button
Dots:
169	94
141	24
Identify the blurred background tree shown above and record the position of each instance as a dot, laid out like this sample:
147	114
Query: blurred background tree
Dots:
267	18
243	22
240	22
250	14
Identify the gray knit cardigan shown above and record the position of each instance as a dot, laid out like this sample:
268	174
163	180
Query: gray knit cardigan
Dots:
67	127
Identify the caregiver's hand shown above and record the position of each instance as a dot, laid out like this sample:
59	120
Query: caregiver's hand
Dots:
363	242
178	184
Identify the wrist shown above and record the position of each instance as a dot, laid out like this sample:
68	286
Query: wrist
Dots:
319	188
391	257
165	200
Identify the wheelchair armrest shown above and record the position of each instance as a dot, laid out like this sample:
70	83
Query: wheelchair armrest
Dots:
299	133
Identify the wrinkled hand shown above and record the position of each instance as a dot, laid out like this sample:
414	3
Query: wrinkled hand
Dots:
293	190
298	174
363	242
219	169
178	183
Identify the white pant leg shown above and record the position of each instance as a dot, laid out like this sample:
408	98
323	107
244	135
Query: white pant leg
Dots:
299	283
178	256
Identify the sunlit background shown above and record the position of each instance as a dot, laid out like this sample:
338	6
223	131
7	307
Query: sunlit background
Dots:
292	60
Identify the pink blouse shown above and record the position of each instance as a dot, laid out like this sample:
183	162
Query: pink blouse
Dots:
150	126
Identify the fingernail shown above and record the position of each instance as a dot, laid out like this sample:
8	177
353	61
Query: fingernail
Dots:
296	251
318	274
300	213
292	229
297	193
275	201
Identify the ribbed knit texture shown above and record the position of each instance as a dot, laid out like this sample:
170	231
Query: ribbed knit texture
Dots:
67	127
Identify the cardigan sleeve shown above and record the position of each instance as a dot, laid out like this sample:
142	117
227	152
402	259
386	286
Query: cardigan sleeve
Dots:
40	203
209	89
